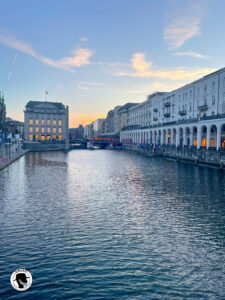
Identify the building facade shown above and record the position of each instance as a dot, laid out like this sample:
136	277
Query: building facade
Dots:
46	121
123	115
2	114
16	128
191	116
97	126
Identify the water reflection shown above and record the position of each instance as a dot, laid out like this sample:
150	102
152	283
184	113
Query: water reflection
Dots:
107	224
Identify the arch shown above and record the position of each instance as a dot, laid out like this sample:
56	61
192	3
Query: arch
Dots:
203	136
169	136
187	140
164	136
194	132
212	136
151	137
159	137
174	132
222	142
181	136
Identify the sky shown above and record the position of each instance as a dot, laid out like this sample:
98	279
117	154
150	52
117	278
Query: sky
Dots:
96	54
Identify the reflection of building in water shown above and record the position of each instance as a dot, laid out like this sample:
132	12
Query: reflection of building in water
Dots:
192	116
46	122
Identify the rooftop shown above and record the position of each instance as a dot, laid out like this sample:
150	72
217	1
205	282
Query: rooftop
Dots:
58	105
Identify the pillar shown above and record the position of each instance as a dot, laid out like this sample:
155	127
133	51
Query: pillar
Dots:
177	138
191	138
161	137
156	138
184	137
218	138
208	137
199	137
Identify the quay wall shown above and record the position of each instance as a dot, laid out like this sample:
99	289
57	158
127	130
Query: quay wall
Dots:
10	161
36	146
195	156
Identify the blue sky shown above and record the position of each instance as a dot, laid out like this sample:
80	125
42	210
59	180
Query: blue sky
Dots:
96	54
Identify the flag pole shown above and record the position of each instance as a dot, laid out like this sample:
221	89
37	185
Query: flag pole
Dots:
46	93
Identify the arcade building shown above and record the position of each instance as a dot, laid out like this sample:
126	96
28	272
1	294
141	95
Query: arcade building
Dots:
192	116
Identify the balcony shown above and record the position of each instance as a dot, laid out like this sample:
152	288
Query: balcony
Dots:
155	119
182	112
166	115
166	104
155	109
203	107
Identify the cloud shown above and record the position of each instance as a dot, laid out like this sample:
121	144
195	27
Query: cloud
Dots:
180	30
141	68
83	39
9	76
80	56
139	63
191	54
157	85
84	85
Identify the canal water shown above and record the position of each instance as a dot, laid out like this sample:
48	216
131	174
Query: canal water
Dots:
112	225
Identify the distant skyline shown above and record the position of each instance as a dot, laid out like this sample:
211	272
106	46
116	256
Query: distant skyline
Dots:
94	54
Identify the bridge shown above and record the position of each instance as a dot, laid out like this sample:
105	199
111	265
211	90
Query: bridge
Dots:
100	142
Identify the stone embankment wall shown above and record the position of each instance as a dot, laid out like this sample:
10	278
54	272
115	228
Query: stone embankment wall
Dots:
36	146
200	156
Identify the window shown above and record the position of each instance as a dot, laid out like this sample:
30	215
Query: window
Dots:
31	122
205	88
48	122
190	93
54	137
54	130
48	130
42	122
198	91
31	137
36	137
37	129
213	100
205	101
42	137
60	122
190	106
54	122
42	129
60	130
60	137
31	129
37	122
213	85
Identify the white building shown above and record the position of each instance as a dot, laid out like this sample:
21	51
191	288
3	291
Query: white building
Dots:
192	116
97	127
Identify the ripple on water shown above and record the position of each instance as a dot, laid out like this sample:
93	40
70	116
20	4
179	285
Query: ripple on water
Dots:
112	225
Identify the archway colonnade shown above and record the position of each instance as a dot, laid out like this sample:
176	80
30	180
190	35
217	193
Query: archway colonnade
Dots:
206	135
